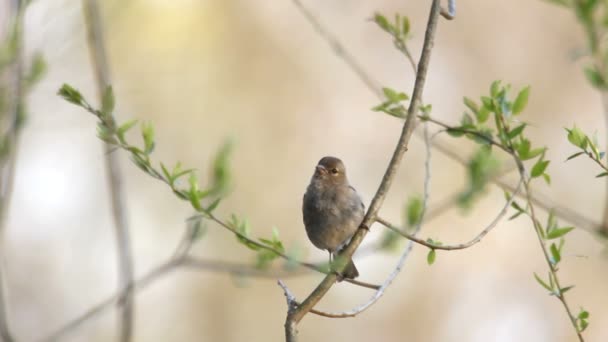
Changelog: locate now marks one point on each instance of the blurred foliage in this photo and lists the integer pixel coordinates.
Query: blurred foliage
(203, 200)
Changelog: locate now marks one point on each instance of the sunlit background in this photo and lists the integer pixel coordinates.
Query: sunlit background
(256, 72)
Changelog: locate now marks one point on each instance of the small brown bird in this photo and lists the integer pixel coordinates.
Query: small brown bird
(332, 210)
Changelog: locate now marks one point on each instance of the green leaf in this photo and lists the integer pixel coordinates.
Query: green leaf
(405, 30)
(471, 105)
(107, 101)
(430, 258)
(383, 22)
(70, 94)
(547, 178)
(414, 210)
(37, 70)
(583, 314)
(147, 132)
(120, 132)
(221, 175)
(516, 131)
(389, 240)
(558, 232)
(603, 174)
(575, 155)
(521, 100)
(555, 254)
(566, 289)
(495, 88)
(483, 114)
(166, 173)
(394, 96)
(577, 137)
(542, 283)
(454, 132)
(466, 121)
(211, 207)
(539, 168)
(487, 103)
(595, 78)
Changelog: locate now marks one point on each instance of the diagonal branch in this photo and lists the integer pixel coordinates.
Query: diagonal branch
(99, 60)
(408, 128)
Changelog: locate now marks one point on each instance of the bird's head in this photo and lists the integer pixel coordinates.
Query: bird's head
(330, 170)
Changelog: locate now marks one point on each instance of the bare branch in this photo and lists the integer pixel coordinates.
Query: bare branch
(450, 13)
(107, 304)
(99, 59)
(339, 50)
(468, 244)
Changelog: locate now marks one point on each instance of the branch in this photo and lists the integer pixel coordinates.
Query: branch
(552, 268)
(450, 13)
(311, 266)
(468, 244)
(179, 258)
(296, 316)
(339, 50)
(99, 60)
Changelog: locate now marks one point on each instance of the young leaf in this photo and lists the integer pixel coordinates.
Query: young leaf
(414, 210)
(495, 88)
(147, 132)
(558, 232)
(166, 173)
(120, 132)
(521, 100)
(555, 254)
(383, 22)
(107, 101)
(430, 258)
(595, 78)
(539, 168)
(70, 94)
(542, 283)
(575, 155)
(471, 105)
(516, 131)
(577, 137)
(405, 29)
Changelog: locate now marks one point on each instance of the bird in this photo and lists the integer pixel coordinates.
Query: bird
(332, 210)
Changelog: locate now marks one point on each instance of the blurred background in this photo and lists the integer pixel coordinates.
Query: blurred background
(203, 71)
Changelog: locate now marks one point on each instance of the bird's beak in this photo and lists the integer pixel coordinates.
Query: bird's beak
(321, 169)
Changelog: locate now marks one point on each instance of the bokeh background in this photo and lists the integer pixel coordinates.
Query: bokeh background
(203, 71)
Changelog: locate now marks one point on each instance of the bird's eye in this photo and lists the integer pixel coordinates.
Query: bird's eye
(334, 171)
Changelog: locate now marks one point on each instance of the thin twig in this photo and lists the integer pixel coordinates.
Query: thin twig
(296, 316)
(450, 13)
(552, 268)
(287, 257)
(99, 58)
(107, 304)
(468, 244)
(342, 52)
(339, 50)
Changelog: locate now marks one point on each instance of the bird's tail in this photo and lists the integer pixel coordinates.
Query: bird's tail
(350, 270)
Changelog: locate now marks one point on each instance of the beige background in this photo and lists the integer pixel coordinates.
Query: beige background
(204, 71)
